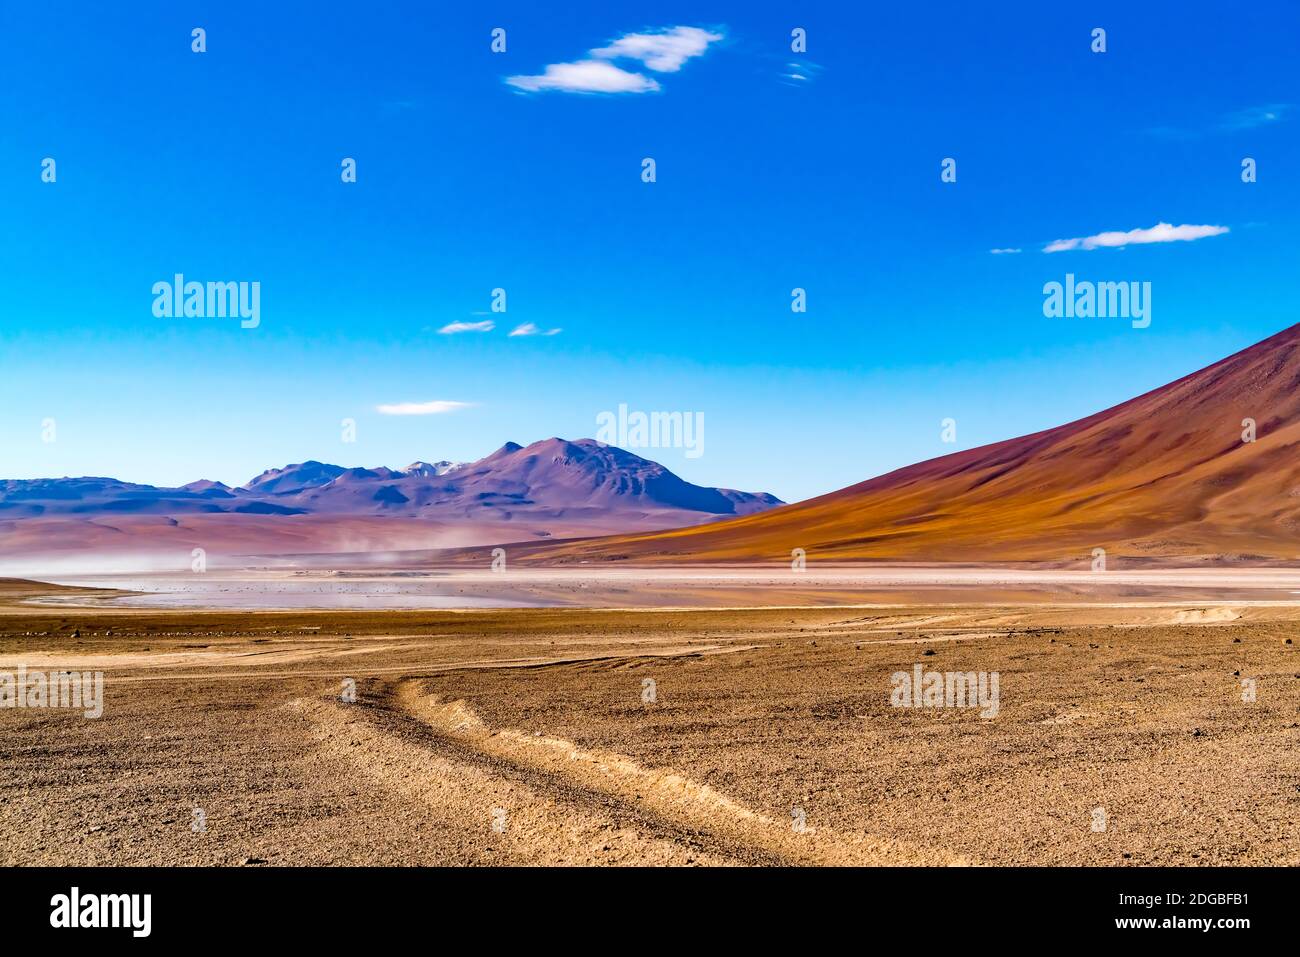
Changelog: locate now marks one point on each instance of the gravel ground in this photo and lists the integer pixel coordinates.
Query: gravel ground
(572, 736)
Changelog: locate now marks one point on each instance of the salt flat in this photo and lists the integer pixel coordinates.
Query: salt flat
(605, 586)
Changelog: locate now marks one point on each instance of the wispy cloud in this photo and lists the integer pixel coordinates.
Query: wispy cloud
(1159, 233)
(1248, 119)
(531, 329)
(585, 76)
(401, 106)
(662, 51)
(436, 407)
(452, 328)
(1255, 116)
(1005, 251)
(800, 73)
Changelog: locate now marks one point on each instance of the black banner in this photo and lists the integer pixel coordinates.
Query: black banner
(345, 906)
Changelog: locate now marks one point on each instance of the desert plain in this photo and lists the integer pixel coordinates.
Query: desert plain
(700, 717)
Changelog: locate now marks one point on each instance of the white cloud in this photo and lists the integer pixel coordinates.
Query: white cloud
(451, 328)
(1255, 116)
(531, 329)
(1159, 233)
(1247, 119)
(585, 76)
(436, 407)
(802, 72)
(1004, 252)
(663, 51)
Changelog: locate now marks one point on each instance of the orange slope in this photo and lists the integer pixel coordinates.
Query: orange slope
(1165, 474)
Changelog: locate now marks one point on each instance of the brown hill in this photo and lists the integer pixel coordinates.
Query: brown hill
(1165, 474)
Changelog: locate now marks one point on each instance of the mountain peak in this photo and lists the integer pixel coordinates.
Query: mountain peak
(420, 469)
(295, 477)
(204, 485)
(510, 448)
(554, 487)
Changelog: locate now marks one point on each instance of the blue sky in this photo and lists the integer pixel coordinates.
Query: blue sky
(672, 295)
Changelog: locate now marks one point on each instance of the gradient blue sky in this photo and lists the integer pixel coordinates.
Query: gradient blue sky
(671, 296)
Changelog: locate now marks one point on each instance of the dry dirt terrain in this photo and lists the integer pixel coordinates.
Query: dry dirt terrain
(525, 736)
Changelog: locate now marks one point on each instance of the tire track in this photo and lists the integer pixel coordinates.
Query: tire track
(501, 812)
(661, 804)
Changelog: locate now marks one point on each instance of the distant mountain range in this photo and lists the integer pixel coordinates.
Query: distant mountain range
(1206, 467)
(552, 487)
